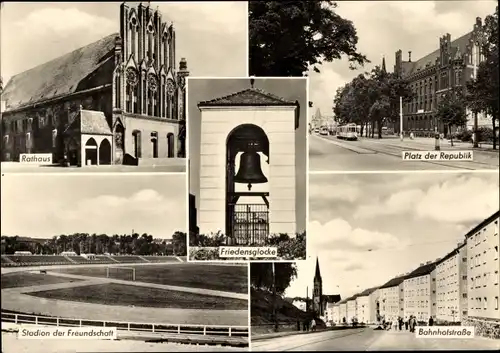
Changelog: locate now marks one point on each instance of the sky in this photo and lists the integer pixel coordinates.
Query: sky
(41, 206)
(369, 228)
(212, 36)
(199, 90)
(383, 27)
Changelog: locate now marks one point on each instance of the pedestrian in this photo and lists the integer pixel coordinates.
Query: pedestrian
(431, 321)
(313, 325)
(406, 323)
(400, 324)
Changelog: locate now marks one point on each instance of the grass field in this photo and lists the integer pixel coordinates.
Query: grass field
(215, 277)
(27, 279)
(120, 294)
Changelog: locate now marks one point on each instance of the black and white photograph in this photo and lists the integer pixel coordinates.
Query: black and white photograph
(247, 167)
(387, 254)
(394, 85)
(102, 252)
(100, 86)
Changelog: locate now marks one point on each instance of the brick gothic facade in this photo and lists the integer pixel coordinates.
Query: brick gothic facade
(118, 100)
(448, 67)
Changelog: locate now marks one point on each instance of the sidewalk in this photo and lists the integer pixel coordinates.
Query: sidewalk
(265, 336)
(423, 142)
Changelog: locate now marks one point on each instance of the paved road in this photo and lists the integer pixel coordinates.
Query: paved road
(367, 339)
(327, 153)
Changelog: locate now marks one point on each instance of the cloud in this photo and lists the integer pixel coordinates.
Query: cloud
(458, 200)
(338, 234)
(340, 191)
(64, 23)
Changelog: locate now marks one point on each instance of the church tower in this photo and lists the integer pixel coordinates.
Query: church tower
(318, 291)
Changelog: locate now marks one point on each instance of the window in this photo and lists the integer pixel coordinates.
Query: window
(54, 138)
(495, 255)
(496, 303)
(485, 303)
(464, 295)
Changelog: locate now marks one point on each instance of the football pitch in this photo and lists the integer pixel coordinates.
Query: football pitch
(203, 276)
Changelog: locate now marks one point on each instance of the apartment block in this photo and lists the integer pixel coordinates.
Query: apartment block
(451, 285)
(482, 244)
(420, 292)
(391, 299)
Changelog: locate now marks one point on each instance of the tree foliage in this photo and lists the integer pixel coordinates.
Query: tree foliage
(451, 110)
(482, 92)
(287, 38)
(84, 243)
(371, 98)
(261, 275)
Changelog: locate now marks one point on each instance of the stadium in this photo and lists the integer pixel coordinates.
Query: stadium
(154, 298)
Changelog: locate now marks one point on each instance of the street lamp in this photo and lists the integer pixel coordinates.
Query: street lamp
(401, 117)
(275, 319)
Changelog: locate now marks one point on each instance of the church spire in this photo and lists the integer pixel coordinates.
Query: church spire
(383, 65)
(318, 273)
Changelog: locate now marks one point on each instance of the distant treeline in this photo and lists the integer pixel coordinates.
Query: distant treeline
(83, 243)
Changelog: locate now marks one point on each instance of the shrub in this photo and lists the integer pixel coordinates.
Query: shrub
(484, 134)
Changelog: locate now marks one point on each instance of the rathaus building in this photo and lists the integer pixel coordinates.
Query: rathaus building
(119, 100)
(449, 67)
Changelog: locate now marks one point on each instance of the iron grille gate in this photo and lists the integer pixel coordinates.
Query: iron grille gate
(250, 224)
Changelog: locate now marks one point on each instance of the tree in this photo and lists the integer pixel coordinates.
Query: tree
(482, 92)
(261, 275)
(451, 110)
(179, 243)
(287, 38)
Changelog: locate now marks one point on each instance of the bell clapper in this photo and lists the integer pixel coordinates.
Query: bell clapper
(249, 186)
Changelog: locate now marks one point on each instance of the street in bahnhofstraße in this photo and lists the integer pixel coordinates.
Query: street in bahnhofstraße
(368, 339)
(328, 153)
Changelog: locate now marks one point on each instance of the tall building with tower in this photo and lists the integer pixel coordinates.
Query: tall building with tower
(119, 100)
(447, 68)
(317, 292)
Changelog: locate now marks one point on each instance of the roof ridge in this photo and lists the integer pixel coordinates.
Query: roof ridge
(248, 96)
(60, 56)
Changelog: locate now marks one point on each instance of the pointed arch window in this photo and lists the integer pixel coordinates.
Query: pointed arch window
(170, 98)
(152, 92)
(131, 98)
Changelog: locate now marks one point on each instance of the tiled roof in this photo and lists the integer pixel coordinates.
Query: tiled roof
(431, 58)
(58, 77)
(94, 122)
(394, 282)
(422, 270)
(248, 97)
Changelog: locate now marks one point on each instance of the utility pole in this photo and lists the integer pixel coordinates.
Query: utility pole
(401, 117)
(275, 319)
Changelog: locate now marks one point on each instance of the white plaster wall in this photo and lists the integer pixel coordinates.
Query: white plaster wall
(98, 139)
(363, 309)
(279, 125)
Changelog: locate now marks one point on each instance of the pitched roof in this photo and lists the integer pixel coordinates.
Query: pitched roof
(248, 97)
(422, 270)
(394, 282)
(317, 273)
(431, 58)
(334, 298)
(368, 291)
(452, 253)
(94, 122)
(482, 224)
(58, 77)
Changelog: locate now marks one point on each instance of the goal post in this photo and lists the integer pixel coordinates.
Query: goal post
(115, 269)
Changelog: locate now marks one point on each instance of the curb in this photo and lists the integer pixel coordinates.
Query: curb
(296, 333)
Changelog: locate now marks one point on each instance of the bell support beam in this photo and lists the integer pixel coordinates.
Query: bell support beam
(234, 196)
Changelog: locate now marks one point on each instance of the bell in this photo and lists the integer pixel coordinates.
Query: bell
(250, 171)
